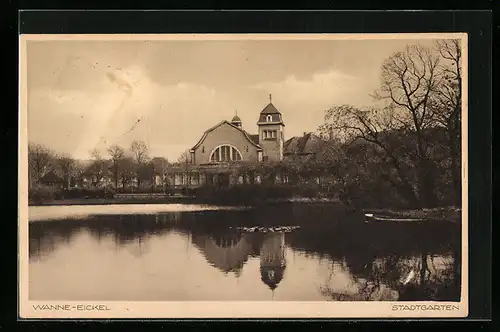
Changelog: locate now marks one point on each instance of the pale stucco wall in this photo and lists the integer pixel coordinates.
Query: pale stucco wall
(273, 148)
(225, 134)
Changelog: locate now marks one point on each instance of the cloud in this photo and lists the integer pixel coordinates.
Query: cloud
(118, 105)
(315, 95)
(129, 105)
(323, 87)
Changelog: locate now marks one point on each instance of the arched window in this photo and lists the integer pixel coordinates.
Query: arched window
(225, 153)
(269, 118)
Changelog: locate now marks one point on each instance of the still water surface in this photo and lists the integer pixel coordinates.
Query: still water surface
(189, 252)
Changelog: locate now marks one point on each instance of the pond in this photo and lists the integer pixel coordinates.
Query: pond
(197, 253)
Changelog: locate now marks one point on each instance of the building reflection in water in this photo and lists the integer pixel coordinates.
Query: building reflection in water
(227, 252)
(272, 259)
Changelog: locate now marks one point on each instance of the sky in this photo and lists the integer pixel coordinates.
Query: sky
(93, 94)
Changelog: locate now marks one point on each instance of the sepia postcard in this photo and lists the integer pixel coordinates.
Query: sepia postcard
(243, 176)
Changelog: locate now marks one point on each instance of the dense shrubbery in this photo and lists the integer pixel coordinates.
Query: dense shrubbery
(256, 193)
(145, 190)
(49, 194)
(44, 194)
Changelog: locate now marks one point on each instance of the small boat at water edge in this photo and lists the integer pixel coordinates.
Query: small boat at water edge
(371, 218)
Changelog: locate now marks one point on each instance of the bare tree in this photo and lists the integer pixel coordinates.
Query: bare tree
(409, 80)
(127, 170)
(139, 150)
(184, 161)
(78, 173)
(369, 125)
(97, 168)
(447, 104)
(184, 158)
(117, 154)
(39, 161)
(65, 165)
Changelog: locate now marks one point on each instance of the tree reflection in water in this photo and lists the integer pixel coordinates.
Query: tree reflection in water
(391, 278)
(46, 236)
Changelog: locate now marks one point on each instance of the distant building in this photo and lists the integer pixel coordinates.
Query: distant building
(51, 179)
(303, 148)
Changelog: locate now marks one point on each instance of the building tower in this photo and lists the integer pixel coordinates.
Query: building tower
(236, 120)
(271, 132)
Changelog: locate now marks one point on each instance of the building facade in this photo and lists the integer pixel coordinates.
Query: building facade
(228, 142)
(228, 145)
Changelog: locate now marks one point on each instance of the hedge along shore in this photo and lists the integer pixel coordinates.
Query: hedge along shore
(166, 200)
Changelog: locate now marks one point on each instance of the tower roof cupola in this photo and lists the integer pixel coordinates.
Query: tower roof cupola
(270, 114)
(236, 120)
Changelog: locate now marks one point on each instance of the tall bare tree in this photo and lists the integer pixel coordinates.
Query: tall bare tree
(117, 154)
(447, 104)
(139, 150)
(39, 161)
(409, 80)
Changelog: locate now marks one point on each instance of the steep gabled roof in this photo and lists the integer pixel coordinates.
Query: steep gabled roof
(306, 144)
(254, 138)
(270, 109)
(248, 136)
(51, 177)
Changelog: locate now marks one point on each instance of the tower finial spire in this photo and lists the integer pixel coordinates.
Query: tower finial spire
(236, 112)
(270, 98)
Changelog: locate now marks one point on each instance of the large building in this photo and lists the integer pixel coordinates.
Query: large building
(228, 144)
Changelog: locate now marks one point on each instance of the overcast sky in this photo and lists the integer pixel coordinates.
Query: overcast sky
(91, 94)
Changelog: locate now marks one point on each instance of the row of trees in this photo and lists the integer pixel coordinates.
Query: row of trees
(408, 143)
(117, 163)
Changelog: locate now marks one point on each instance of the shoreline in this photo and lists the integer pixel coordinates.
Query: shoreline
(442, 213)
(176, 200)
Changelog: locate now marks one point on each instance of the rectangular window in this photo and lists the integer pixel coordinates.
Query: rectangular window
(273, 134)
(226, 153)
(236, 155)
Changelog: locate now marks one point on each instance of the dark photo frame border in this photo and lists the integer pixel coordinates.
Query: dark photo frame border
(477, 24)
